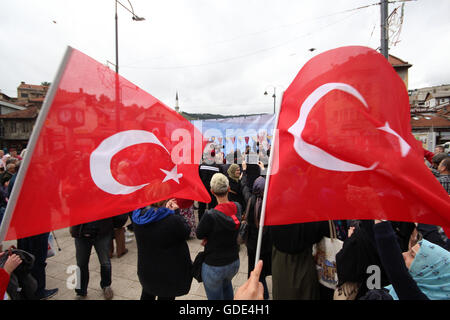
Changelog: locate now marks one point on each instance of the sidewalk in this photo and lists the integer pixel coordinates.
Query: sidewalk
(125, 283)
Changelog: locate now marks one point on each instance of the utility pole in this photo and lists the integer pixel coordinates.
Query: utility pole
(384, 28)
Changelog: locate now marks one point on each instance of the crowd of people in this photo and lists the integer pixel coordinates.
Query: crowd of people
(413, 258)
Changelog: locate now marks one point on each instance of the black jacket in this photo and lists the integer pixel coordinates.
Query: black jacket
(295, 238)
(93, 229)
(206, 171)
(432, 234)
(357, 254)
(164, 264)
(236, 192)
(221, 232)
(394, 264)
(253, 172)
(266, 244)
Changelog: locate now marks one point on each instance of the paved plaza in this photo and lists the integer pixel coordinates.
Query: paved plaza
(125, 282)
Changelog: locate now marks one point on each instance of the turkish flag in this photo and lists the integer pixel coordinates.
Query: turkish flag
(102, 147)
(345, 147)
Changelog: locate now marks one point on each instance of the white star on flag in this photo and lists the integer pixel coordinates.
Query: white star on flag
(172, 175)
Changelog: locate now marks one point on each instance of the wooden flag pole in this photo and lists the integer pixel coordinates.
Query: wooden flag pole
(266, 187)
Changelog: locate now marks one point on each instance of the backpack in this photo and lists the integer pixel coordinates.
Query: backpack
(22, 285)
(88, 230)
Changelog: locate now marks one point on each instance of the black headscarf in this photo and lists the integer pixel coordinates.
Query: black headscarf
(357, 253)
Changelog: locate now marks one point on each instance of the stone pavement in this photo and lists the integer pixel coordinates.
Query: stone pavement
(125, 282)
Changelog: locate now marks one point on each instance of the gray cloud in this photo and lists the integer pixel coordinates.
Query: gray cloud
(219, 55)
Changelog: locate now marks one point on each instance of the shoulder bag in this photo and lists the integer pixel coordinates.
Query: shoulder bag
(324, 253)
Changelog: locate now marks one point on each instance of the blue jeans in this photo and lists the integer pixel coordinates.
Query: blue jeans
(83, 248)
(217, 280)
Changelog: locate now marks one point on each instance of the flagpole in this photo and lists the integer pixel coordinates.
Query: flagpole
(266, 188)
(31, 146)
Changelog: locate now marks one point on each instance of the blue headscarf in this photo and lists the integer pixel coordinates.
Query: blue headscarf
(431, 271)
(143, 216)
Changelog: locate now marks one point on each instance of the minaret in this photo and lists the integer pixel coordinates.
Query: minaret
(177, 107)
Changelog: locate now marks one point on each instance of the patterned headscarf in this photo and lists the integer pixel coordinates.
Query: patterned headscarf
(431, 271)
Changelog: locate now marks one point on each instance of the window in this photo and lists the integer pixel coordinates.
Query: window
(27, 126)
(24, 95)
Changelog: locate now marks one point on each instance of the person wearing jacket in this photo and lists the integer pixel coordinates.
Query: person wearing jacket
(357, 254)
(206, 170)
(219, 229)
(254, 201)
(421, 273)
(444, 174)
(234, 176)
(97, 234)
(10, 265)
(294, 274)
(164, 265)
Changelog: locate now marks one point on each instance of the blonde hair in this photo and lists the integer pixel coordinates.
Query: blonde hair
(219, 184)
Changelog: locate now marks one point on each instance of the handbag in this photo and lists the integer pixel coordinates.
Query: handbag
(22, 285)
(242, 236)
(26, 257)
(120, 220)
(324, 253)
(197, 266)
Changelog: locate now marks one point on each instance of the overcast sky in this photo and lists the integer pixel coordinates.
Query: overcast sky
(220, 55)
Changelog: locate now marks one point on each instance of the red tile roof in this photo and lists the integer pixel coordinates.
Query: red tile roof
(435, 121)
(33, 87)
(30, 113)
(397, 62)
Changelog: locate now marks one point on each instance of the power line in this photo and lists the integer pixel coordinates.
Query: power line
(265, 31)
(239, 56)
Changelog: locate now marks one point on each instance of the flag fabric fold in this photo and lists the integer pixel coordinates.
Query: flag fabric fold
(345, 147)
(106, 147)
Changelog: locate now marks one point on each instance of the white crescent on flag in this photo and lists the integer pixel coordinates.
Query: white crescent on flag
(313, 154)
(100, 160)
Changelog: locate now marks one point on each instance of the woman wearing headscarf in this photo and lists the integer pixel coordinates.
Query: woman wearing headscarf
(164, 264)
(234, 176)
(421, 273)
(357, 254)
(254, 201)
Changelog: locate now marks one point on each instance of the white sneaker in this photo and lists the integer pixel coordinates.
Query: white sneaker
(129, 234)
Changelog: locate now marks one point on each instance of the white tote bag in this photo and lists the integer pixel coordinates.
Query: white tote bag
(324, 253)
(51, 246)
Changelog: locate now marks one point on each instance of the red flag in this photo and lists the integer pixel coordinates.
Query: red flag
(345, 147)
(97, 156)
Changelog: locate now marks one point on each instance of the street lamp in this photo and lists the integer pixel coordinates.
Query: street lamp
(135, 18)
(274, 96)
(117, 94)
